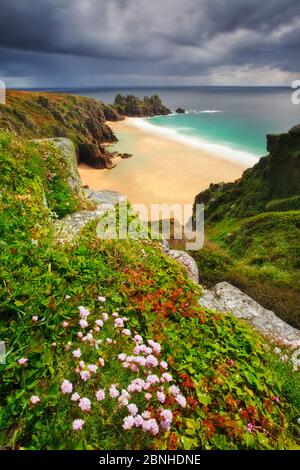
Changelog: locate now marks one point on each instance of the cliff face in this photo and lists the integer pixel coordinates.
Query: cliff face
(272, 184)
(135, 107)
(81, 119)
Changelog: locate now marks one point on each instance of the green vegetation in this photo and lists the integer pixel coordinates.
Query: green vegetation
(253, 230)
(239, 395)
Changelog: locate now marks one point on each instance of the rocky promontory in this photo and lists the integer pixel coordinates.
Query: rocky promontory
(80, 119)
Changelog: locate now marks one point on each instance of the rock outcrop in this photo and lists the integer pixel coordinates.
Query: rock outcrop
(180, 111)
(224, 297)
(135, 107)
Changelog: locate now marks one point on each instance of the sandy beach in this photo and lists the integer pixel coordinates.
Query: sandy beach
(161, 170)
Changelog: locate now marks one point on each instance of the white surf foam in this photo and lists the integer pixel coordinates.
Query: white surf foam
(204, 111)
(220, 150)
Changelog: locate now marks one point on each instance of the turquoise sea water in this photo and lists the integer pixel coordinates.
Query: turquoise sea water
(245, 114)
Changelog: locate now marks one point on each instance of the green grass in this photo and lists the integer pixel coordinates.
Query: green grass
(228, 374)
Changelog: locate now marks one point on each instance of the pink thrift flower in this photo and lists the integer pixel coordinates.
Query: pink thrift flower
(76, 353)
(78, 424)
(67, 297)
(137, 339)
(85, 404)
(128, 423)
(97, 329)
(105, 316)
(126, 332)
(66, 387)
(163, 365)
(133, 409)
(161, 397)
(122, 357)
(166, 377)
(101, 299)
(155, 346)
(148, 396)
(75, 397)
(92, 368)
(34, 318)
(109, 340)
(84, 312)
(82, 364)
(22, 361)
(123, 400)
(134, 368)
(101, 362)
(113, 392)
(85, 375)
(174, 390)
(79, 334)
(118, 323)
(34, 399)
(115, 314)
(250, 427)
(151, 361)
(181, 400)
(140, 360)
(146, 415)
(152, 379)
(100, 395)
(138, 421)
(99, 323)
(53, 345)
(65, 324)
(151, 426)
(83, 323)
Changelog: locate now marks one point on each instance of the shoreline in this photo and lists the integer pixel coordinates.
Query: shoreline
(161, 171)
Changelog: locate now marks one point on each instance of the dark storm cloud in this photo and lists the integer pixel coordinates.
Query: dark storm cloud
(142, 38)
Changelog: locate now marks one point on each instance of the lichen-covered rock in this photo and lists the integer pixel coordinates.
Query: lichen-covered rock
(133, 106)
(224, 297)
(67, 153)
(187, 261)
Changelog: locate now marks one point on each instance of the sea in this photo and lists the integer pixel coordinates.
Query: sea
(230, 120)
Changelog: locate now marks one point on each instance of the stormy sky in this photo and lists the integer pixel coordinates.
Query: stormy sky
(65, 43)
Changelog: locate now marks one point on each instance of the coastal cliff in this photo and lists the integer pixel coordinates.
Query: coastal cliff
(253, 229)
(78, 118)
(69, 299)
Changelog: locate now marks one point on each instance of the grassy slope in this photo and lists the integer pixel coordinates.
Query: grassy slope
(228, 374)
(253, 228)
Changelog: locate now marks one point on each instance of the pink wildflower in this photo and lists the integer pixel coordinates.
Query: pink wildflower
(83, 323)
(92, 367)
(119, 323)
(166, 377)
(105, 316)
(163, 365)
(146, 415)
(97, 329)
(138, 421)
(151, 426)
(101, 299)
(79, 334)
(148, 396)
(113, 392)
(34, 399)
(109, 340)
(133, 409)
(161, 397)
(100, 395)
(75, 397)
(85, 375)
(122, 357)
(250, 427)
(22, 361)
(77, 353)
(134, 368)
(137, 339)
(66, 387)
(34, 318)
(155, 346)
(126, 332)
(101, 362)
(152, 379)
(67, 297)
(151, 361)
(115, 314)
(84, 312)
(123, 400)
(78, 424)
(174, 390)
(85, 404)
(128, 422)
(181, 400)
(65, 324)
(99, 323)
